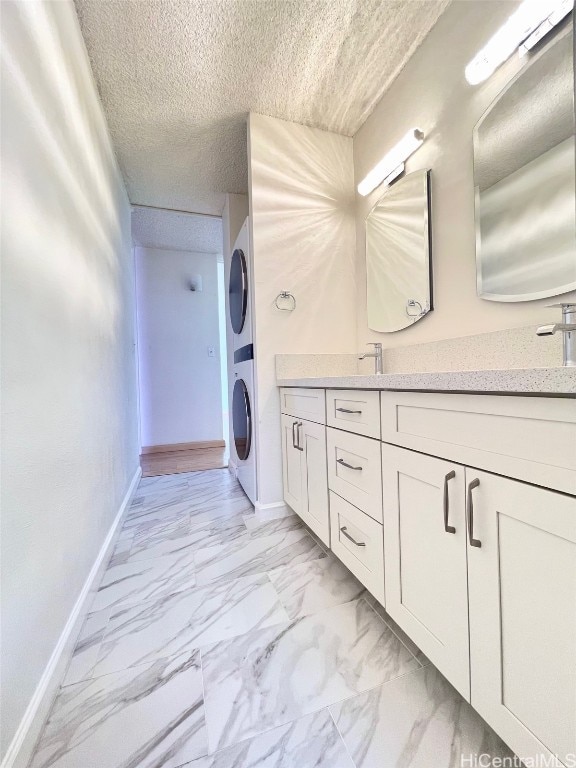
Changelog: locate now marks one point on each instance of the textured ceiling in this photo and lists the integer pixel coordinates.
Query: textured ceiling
(178, 78)
(176, 231)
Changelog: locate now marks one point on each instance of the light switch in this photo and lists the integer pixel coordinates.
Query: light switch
(211, 352)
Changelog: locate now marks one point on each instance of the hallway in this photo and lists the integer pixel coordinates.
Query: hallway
(218, 640)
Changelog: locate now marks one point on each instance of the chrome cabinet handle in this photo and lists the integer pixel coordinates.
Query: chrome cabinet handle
(446, 501)
(358, 543)
(470, 510)
(344, 464)
(294, 423)
(298, 445)
(347, 410)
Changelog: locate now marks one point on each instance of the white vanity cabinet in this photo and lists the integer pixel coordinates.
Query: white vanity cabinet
(481, 569)
(461, 520)
(304, 468)
(522, 598)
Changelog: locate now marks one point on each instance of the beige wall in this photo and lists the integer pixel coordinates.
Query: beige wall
(303, 239)
(69, 414)
(431, 93)
(180, 387)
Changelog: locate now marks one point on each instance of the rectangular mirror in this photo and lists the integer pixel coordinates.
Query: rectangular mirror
(525, 181)
(398, 260)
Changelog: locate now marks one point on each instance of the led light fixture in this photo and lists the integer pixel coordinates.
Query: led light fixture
(392, 164)
(528, 24)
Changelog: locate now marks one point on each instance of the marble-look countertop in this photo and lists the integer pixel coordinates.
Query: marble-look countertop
(530, 381)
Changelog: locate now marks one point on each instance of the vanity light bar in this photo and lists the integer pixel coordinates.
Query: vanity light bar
(560, 12)
(394, 175)
(520, 28)
(392, 164)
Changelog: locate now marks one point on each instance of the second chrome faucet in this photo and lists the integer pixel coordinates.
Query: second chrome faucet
(377, 355)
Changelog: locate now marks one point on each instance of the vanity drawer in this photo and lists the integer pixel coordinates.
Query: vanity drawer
(528, 438)
(309, 404)
(355, 470)
(358, 541)
(354, 410)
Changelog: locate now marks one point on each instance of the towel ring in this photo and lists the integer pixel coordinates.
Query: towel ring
(283, 295)
(420, 310)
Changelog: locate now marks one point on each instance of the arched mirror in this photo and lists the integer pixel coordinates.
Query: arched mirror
(525, 184)
(398, 255)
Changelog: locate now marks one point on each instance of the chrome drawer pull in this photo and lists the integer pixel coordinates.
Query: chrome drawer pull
(448, 528)
(341, 461)
(347, 410)
(358, 543)
(470, 504)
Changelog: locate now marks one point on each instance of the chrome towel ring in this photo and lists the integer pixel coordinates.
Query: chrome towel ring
(285, 296)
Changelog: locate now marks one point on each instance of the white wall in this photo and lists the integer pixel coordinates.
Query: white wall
(431, 93)
(69, 417)
(303, 240)
(180, 386)
(233, 216)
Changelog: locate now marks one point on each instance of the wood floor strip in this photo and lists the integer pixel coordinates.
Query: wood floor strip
(171, 447)
(192, 460)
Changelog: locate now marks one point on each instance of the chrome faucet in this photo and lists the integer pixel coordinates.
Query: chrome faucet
(377, 355)
(568, 330)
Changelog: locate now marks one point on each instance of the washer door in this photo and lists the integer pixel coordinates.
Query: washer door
(241, 420)
(238, 290)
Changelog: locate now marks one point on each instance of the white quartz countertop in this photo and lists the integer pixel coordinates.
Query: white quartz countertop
(532, 381)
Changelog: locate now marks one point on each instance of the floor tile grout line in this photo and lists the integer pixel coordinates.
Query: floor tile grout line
(326, 707)
(407, 673)
(134, 604)
(345, 745)
(204, 700)
(396, 635)
(364, 692)
(199, 647)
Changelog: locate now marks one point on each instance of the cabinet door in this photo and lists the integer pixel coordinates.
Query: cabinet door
(522, 582)
(314, 510)
(292, 465)
(425, 557)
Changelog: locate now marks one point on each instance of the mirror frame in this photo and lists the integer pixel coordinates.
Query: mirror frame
(428, 246)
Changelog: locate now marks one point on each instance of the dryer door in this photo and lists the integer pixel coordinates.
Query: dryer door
(238, 290)
(241, 420)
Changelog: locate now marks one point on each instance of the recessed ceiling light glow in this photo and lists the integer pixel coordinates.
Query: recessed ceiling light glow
(530, 15)
(386, 169)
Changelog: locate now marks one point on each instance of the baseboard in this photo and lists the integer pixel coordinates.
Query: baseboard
(171, 447)
(20, 751)
(273, 511)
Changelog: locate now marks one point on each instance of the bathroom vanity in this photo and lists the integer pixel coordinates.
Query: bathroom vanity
(452, 495)
(457, 511)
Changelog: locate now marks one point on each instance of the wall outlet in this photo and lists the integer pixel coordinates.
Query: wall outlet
(211, 352)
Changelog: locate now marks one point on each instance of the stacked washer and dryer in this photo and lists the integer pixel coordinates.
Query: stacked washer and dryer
(240, 302)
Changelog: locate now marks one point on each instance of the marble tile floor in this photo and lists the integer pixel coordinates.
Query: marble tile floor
(218, 639)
